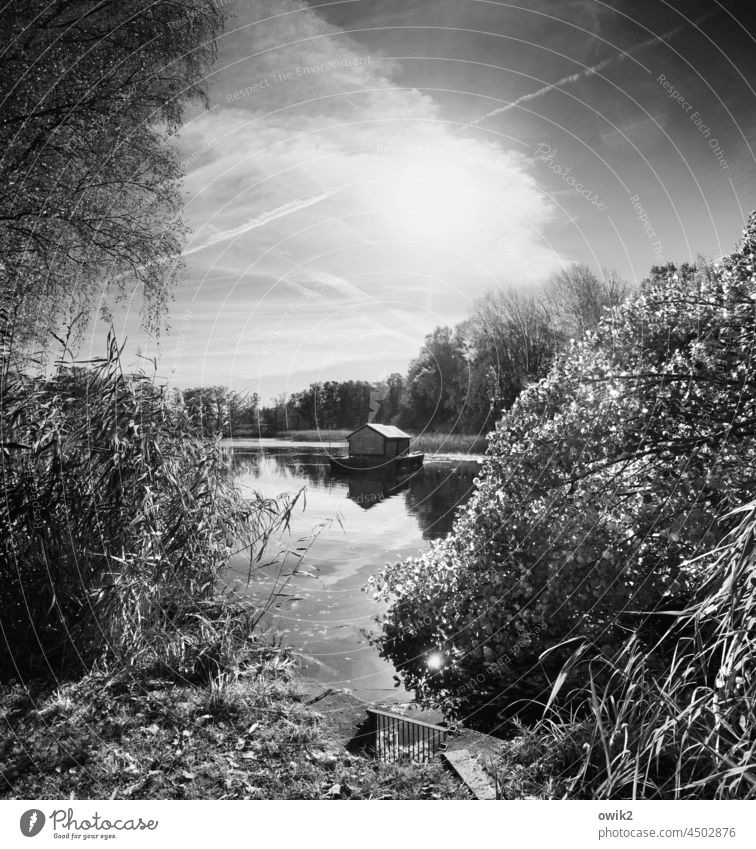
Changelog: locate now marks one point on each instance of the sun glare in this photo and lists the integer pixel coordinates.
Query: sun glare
(435, 660)
(435, 200)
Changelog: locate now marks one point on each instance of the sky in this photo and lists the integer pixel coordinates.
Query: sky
(367, 169)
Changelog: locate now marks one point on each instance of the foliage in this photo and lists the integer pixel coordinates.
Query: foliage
(600, 483)
(509, 342)
(92, 91)
(660, 724)
(116, 523)
(432, 382)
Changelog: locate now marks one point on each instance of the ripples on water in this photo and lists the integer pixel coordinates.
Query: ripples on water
(366, 521)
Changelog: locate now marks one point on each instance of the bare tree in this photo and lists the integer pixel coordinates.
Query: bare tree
(577, 297)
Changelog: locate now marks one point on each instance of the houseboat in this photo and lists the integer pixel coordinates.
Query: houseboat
(378, 447)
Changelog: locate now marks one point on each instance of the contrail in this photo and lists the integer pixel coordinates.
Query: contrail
(589, 72)
(354, 293)
(261, 220)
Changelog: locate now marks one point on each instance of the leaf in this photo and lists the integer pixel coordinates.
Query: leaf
(565, 670)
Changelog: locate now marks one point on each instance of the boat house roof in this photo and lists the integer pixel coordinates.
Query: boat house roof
(387, 431)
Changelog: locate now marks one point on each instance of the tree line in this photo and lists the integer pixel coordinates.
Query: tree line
(465, 376)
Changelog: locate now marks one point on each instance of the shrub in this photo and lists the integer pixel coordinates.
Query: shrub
(599, 484)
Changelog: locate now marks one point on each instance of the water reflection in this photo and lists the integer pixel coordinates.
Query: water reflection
(369, 490)
(432, 494)
(365, 520)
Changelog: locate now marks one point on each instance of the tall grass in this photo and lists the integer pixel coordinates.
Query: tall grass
(667, 723)
(316, 435)
(449, 443)
(116, 524)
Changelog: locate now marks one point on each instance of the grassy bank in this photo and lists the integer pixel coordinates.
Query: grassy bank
(314, 435)
(248, 734)
(429, 443)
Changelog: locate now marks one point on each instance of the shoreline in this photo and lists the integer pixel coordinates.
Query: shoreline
(274, 441)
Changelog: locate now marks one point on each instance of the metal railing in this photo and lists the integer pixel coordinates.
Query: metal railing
(396, 737)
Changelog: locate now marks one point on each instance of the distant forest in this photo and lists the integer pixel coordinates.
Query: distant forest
(462, 379)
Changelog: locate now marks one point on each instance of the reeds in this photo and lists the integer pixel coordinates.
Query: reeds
(117, 523)
(315, 435)
(449, 443)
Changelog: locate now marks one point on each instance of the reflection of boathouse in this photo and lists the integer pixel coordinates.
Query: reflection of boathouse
(367, 490)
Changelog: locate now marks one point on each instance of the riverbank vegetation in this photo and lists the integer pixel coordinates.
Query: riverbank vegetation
(591, 578)
(449, 443)
(126, 669)
(338, 435)
(117, 522)
(658, 721)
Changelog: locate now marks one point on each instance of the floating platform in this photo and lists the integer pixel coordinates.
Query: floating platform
(377, 463)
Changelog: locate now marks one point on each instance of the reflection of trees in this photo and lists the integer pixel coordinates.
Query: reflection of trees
(432, 494)
(436, 492)
(243, 463)
(311, 464)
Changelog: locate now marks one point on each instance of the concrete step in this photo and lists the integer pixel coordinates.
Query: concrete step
(469, 753)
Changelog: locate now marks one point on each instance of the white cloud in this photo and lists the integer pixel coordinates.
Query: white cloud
(315, 162)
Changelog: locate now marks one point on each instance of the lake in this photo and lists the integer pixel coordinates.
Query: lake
(361, 523)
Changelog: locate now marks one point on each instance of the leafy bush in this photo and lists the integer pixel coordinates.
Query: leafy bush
(601, 482)
(116, 523)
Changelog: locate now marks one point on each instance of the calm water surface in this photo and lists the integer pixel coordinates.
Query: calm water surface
(362, 523)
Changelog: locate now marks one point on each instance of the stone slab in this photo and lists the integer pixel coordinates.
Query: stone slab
(467, 766)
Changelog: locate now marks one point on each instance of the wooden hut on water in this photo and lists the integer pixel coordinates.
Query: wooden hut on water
(374, 446)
